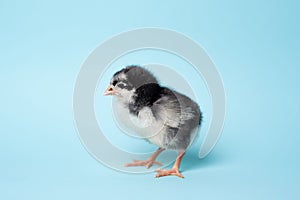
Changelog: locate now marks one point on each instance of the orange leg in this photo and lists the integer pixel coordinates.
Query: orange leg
(175, 169)
(149, 162)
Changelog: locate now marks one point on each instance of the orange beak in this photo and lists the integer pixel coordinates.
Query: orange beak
(109, 91)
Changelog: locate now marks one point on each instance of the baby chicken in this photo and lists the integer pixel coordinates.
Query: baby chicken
(145, 100)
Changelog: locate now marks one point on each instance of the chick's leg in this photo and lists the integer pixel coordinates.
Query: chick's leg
(149, 162)
(175, 169)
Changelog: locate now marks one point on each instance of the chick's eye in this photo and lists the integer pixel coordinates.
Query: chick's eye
(121, 85)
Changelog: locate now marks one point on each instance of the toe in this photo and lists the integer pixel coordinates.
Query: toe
(158, 163)
(172, 172)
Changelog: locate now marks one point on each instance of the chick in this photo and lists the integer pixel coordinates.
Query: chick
(172, 117)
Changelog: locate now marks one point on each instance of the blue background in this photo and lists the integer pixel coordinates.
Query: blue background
(255, 46)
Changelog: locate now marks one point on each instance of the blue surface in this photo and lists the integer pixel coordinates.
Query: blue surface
(255, 46)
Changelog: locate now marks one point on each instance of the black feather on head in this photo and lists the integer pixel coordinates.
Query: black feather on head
(137, 76)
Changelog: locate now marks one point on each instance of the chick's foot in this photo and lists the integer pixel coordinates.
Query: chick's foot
(148, 163)
(168, 172)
